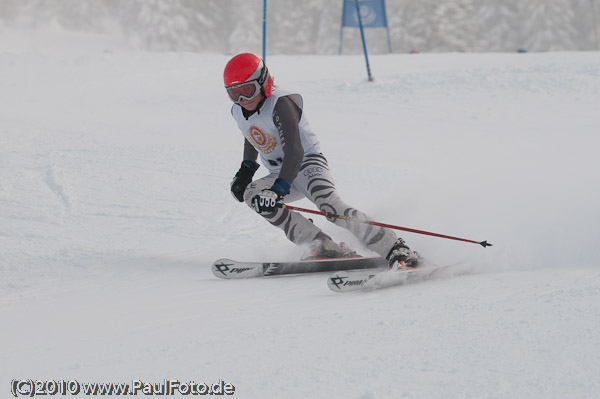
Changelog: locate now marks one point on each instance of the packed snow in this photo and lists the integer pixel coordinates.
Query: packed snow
(114, 202)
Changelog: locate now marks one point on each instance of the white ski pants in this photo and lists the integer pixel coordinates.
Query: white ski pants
(314, 181)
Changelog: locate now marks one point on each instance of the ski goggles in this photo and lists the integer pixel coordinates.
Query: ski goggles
(246, 91)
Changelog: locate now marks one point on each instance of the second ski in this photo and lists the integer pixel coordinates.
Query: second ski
(344, 281)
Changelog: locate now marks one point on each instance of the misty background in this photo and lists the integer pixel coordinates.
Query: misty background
(313, 26)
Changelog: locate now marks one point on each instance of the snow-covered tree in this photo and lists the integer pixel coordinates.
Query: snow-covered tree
(327, 27)
(550, 25)
(245, 26)
(437, 25)
(499, 25)
(313, 26)
(8, 10)
(86, 16)
(455, 26)
(157, 24)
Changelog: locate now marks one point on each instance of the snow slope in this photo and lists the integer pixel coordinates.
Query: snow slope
(114, 201)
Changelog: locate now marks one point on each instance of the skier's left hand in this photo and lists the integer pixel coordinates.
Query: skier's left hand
(266, 201)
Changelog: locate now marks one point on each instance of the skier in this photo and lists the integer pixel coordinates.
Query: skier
(274, 125)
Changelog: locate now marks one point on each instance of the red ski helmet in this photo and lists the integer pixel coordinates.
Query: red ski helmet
(245, 76)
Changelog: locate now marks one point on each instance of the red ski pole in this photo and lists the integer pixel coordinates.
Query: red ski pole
(389, 226)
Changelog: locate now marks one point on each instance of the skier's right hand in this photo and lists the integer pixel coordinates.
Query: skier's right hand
(242, 178)
(266, 201)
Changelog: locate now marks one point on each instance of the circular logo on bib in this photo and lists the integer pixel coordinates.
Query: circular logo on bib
(262, 141)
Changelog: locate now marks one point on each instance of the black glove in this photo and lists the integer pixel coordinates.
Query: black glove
(268, 200)
(242, 178)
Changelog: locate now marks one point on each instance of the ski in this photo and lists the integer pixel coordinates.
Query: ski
(345, 281)
(229, 269)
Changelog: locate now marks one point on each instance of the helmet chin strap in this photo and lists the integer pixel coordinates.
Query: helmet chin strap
(248, 113)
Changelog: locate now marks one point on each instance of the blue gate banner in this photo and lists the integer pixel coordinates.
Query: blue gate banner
(372, 14)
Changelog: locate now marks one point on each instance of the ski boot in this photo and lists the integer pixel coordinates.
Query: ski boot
(401, 257)
(323, 247)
